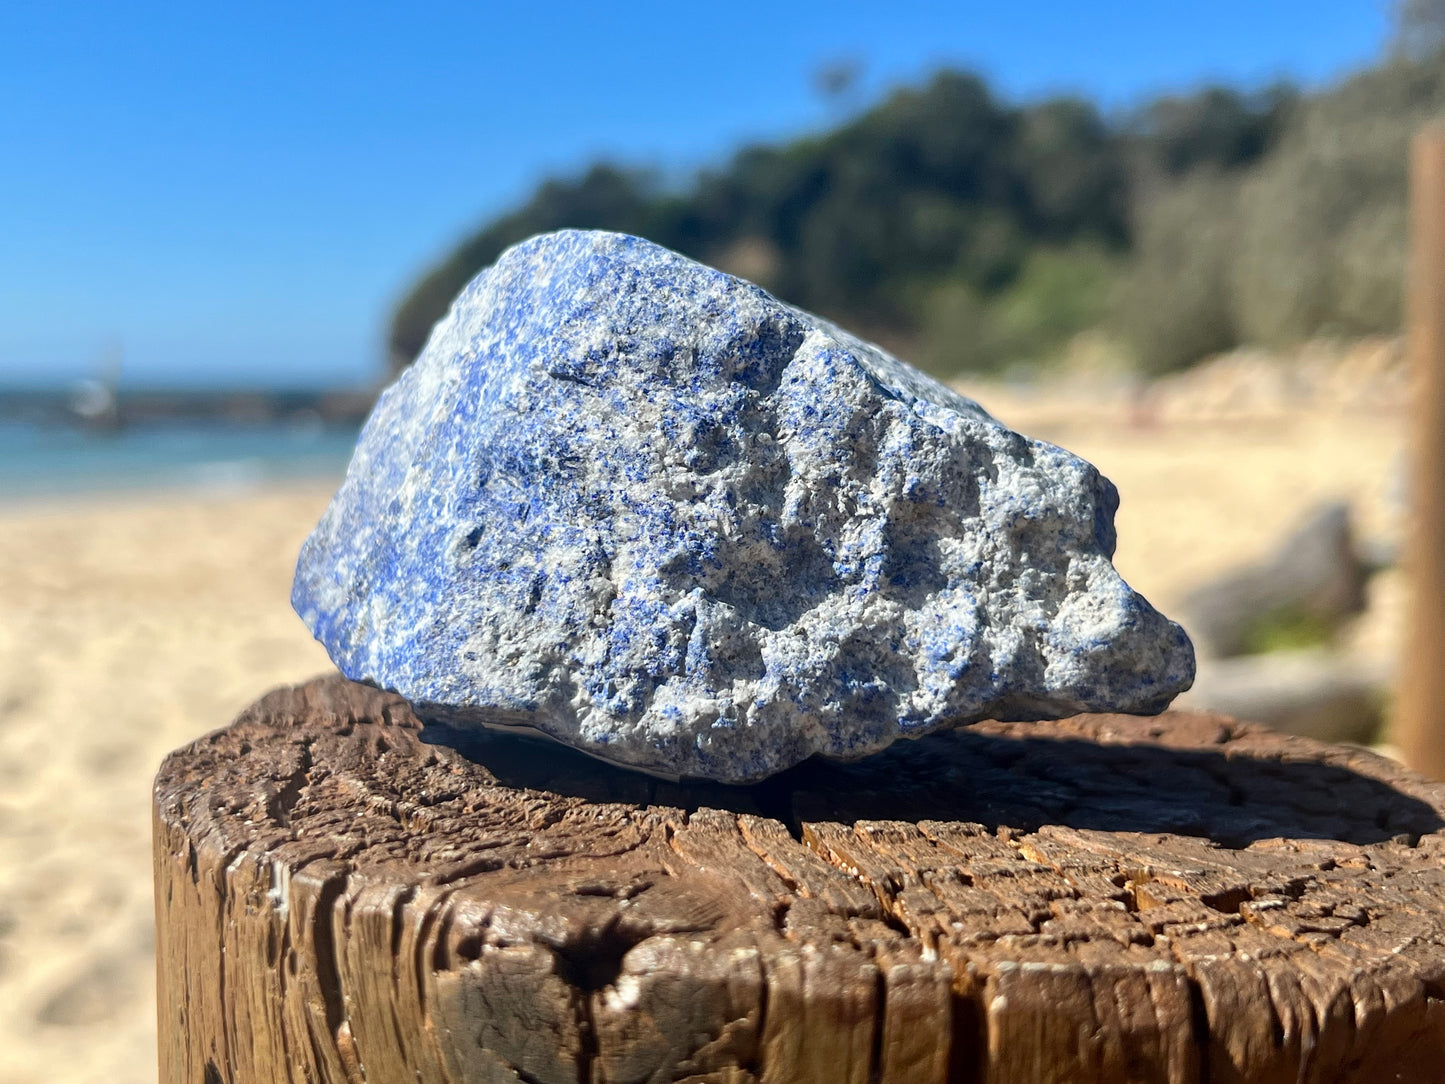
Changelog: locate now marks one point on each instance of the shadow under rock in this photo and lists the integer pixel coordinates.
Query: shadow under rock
(1002, 779)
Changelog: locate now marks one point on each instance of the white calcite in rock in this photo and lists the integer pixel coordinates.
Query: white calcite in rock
(649, 510)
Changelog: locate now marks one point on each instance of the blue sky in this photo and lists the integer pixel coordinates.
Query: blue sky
(239, 193)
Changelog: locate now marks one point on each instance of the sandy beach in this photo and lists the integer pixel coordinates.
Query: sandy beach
(127, 629)
(130, 625)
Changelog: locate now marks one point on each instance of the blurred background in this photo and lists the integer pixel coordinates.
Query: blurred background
(1173, 241)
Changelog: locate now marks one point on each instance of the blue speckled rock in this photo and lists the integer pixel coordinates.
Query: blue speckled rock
(646, 508)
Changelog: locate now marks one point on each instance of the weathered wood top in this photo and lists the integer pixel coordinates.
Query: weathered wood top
(344, 895)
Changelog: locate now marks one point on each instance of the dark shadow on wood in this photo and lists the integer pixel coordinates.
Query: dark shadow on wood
(1008, 779)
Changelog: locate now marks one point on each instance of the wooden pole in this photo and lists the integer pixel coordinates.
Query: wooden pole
(1175, 900)
(1419, 724)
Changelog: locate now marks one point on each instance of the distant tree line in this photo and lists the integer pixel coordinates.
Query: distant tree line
(970, 233)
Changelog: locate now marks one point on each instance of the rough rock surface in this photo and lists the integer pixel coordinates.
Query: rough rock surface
(646, 508)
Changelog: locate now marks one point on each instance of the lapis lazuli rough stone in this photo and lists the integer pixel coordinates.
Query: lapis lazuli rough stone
(647, 509)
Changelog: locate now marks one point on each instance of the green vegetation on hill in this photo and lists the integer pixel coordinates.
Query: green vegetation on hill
(1309, 239)
(969, 233)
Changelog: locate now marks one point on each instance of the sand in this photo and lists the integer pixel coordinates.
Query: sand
(126, 629)
(132, 625)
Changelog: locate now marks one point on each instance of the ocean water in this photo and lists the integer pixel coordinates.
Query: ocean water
(45, 460)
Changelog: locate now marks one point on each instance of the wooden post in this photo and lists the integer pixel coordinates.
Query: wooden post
(340, 898)
(1419, 724)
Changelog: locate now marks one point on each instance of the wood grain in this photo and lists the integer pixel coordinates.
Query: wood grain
(344, 894)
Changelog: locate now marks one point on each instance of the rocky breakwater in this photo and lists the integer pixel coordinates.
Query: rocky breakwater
(647, 509)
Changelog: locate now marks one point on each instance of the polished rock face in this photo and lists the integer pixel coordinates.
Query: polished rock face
(649, 510)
